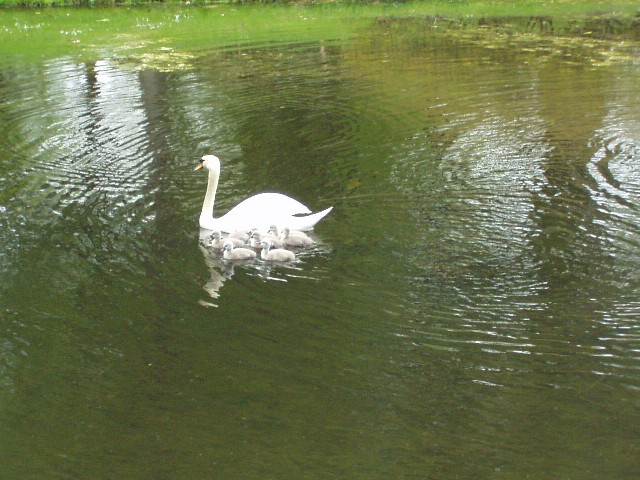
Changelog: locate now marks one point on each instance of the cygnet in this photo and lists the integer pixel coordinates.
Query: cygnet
(229, 252)
(241, 234)
(295, 239)
(218, 242)
(274, 230)
(275, 254)
(257, 238)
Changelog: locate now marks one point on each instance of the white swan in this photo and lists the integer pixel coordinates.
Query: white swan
(231, 253)
(259, 211)
(275, 254)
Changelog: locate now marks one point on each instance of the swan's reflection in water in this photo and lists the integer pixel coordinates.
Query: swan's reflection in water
(221, 270)
(216, 277)
(217, 268)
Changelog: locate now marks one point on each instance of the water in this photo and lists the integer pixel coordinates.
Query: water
(470, 309)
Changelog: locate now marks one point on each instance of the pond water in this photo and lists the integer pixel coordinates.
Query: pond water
(471, 308)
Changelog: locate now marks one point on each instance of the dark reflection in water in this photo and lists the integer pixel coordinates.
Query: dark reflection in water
(470, 309)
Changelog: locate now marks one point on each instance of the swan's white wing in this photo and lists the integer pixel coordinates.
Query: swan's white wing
(305, 222)
(261, 211)
(274, 203)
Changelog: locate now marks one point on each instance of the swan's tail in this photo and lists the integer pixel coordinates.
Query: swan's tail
(306, 222)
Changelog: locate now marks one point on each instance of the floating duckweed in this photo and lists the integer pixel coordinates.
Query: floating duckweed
(163, 60)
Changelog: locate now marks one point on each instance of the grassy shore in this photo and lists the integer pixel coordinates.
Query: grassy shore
(166, 32)
(427, 7)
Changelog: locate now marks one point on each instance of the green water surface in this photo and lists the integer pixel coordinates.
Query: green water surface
(469, 310)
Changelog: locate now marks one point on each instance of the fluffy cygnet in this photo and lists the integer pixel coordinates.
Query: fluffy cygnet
(295, 239)
(218, 242)
(275, 254)
(274, 231)
(257, 238)
(240, 253)
(241, 234)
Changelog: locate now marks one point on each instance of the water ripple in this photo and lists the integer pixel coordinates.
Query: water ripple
(86, 176)
(504, 229)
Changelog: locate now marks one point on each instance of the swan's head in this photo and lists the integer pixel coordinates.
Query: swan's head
(286, 231)
(227, 245)
(210, 162)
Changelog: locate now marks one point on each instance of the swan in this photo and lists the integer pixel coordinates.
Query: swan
(276, 254)
(218, 242)
(231, 253)
(259, 211)
(291, 239)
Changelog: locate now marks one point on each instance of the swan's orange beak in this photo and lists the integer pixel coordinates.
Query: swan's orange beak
(198, 167)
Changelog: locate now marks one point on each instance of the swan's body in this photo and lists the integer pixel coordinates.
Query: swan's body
(218, 242)
(295, 239)
(231, 253)
(275, 254)
(259, 211)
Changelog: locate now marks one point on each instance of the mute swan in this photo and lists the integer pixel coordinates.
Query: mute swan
(276, 254)
(259, 211)
(218, 242)
(290, 239)
(231, 253)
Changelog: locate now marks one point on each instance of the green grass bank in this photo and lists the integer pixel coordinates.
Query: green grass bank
(154, 28)
(428, 7)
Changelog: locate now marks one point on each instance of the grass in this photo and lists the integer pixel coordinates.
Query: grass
(471, 8)
(174, 27)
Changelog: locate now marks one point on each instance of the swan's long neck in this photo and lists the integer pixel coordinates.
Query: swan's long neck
(210, 196)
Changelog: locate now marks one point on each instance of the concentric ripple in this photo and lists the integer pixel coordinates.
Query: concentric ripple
(83, 165)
